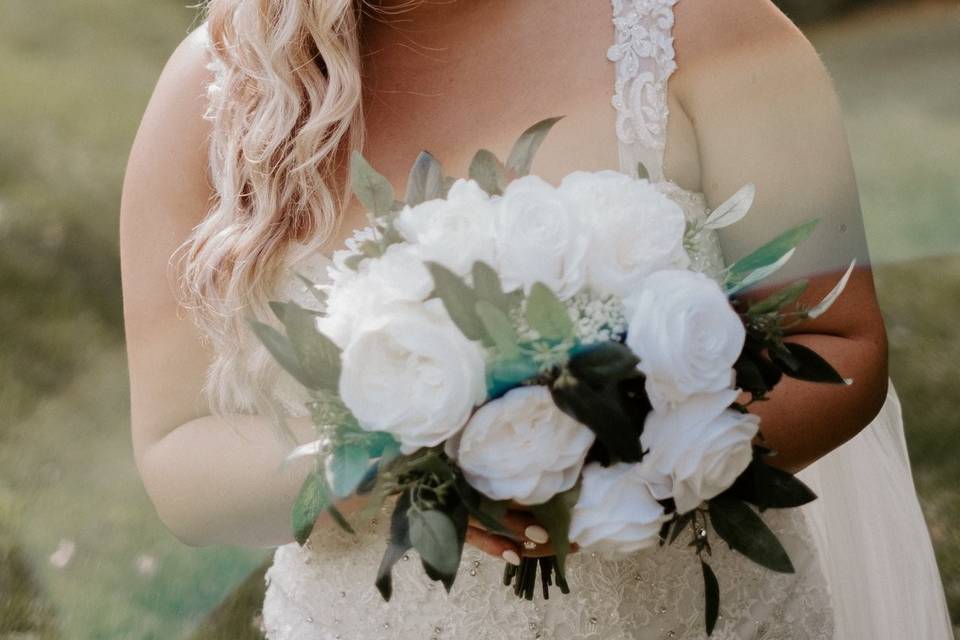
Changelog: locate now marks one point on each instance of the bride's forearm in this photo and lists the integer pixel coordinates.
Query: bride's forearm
(221, 480)
(804, 421)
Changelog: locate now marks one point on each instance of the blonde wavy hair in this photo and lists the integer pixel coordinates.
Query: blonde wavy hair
(284, 106)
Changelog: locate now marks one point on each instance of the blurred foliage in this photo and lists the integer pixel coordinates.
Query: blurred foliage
(76, 76)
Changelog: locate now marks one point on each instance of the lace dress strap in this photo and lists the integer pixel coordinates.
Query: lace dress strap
(643, 55)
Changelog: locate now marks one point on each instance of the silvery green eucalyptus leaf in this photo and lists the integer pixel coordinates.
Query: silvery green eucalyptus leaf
(733, 210)
(521, 155)
(282, 351)
(547, 315)
(318, 294)
(488, 172)
(425, 181)
(499, 329)
(314, 498)
(346, 468)
(319, 357)
(434, 536)
(735, 286)
(459, 300)
(831, 297)
(779, 300)
(487, 285)
(770, 255)
(373, 190)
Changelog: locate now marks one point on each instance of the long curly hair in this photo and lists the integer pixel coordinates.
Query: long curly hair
(285, 108)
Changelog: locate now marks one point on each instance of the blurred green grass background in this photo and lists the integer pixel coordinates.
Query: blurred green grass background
(82, 554)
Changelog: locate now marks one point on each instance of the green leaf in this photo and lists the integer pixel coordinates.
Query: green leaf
(347, 467)
(806, 364)
(319, 295)
(487, 285)
(489, 172)
(523, 150)
(499, 329)
(282, 351)
(398, 545)
(711, 594)
(779, 300)
(555, 515)
(489, 513)
(547, 315)
(434, 536)
(313, 500)
(425, 181)
(340, 520)
(459, 300)
(603, 413)
(777, 489)
(771, 252)
(460, 517)
(680, 523)
(598, 364)
(742, 529)
(642, 172)
(373, 190)
(319, 357)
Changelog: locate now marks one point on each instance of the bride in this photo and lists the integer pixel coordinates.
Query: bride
(237, 180)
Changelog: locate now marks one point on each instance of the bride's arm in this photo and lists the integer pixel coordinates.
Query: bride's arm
(212, 480)
(764, 111)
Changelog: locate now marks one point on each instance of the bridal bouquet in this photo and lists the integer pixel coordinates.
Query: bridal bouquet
(498, 339)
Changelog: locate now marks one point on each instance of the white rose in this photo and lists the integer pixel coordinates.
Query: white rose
(686, 335)
(698, 448)
(397, 276)
(539, 239)
(455, 231)
(616, 514)
(634, 229)
(522, 447)
(412, 373)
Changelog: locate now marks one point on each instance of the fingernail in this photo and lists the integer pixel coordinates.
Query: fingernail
(511, 556)
(537, 534)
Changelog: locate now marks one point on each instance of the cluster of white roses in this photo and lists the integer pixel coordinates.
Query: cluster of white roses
(408, 370)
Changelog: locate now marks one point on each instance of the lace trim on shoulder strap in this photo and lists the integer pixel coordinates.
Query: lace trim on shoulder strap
(644, 57)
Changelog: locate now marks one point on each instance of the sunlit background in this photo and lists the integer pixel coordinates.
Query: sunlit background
(82, 554)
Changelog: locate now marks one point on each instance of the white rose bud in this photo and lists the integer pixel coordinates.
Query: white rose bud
(616, 514)
(698, 448)
(686, 335)
(634, 229)
(455, 231)
(412, 373)
(522, 447)
(539, 239)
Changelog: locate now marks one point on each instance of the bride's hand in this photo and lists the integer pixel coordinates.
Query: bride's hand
(533, 538)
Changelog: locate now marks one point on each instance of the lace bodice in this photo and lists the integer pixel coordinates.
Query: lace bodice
(325, 590)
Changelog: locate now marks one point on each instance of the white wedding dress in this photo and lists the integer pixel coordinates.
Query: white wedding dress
(864, 561)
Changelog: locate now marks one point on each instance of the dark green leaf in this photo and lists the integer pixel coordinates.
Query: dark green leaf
(398, 545)
(809, 365)
(779, 300)
(425, 181)
(340, 520)
(318, 355)
(742, 529)
(547, 315)
(680, 523)
(642, 172)
(487, 512)
(313, 499)
(603, 412)
(373, 190)
(347, 466)
(499, 329)
(521, 155)
(460, 517)
(282, 351)
(711, 594)
(489, 172)
(555, 515)
(434, 536)
(598, 363)
(459, 300)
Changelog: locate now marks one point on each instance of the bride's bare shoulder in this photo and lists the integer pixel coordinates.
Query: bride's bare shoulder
(713, 33)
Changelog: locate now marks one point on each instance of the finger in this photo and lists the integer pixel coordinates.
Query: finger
(494, 545)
